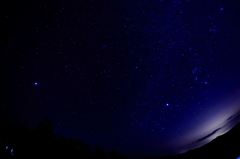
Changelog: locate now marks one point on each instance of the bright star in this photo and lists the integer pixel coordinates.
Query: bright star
(35, 83)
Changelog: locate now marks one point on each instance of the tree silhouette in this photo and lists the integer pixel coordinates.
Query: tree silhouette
(100, 153)
(45, 138)
(78, 149)
(60, 147)
(115, 155)
(45, 127)
(43, 143)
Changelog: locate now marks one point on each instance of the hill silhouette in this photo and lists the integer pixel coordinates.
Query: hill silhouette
(20, 142)
(225, 146)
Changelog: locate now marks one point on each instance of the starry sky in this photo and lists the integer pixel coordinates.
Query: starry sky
(144, 77)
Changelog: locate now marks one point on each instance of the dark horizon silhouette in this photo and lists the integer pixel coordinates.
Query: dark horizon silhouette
(146, 78)
(20, 142)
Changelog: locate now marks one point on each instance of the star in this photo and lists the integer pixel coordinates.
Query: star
(112, 83)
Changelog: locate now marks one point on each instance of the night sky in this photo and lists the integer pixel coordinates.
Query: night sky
(144, 77)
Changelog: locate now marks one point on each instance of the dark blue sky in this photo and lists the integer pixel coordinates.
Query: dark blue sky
(143, 77)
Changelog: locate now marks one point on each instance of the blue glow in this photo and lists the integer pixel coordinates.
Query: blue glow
(12, 152)
(6, 147)
(35, 83)
(238, 157)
